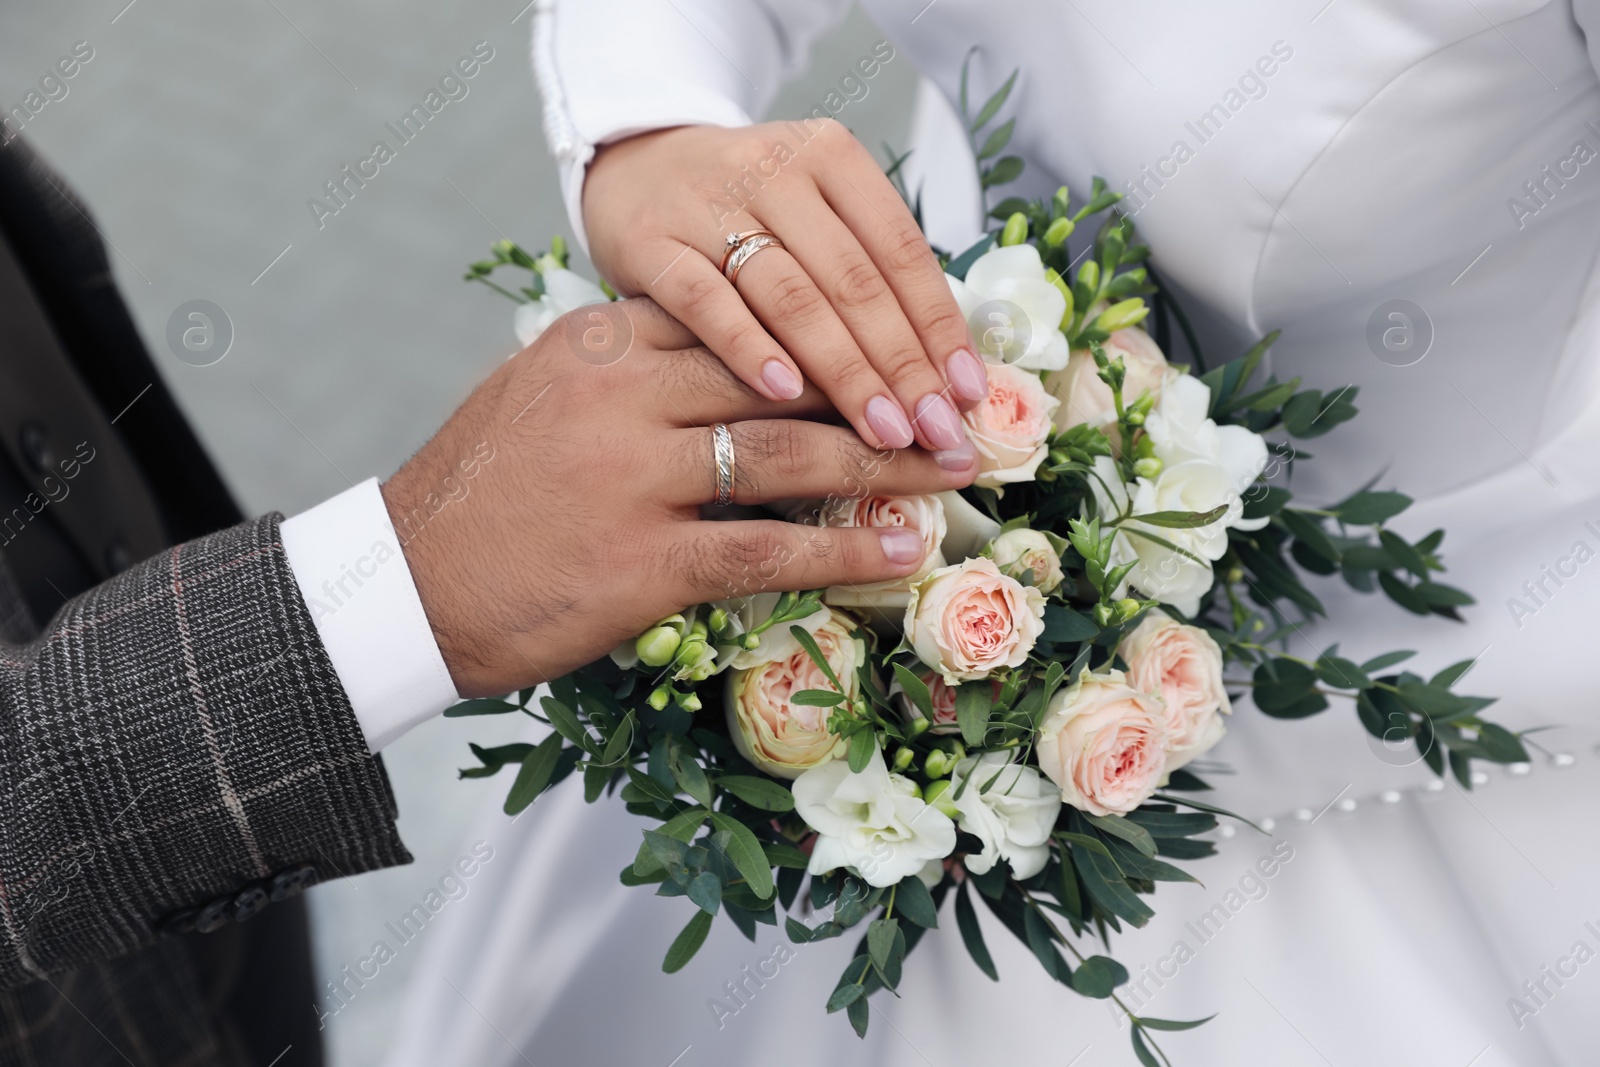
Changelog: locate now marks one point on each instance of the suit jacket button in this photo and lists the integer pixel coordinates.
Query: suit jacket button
(214, 915)
(179, 922)
(292, 881)
(249, 901)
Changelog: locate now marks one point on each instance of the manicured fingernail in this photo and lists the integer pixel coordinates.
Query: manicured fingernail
(967, 376)
(901, 545)
(940, 422)
(784, 383)
(889, 422)
(957, 459)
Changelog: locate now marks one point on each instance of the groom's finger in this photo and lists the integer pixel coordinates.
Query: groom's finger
(782, 459)
(697, 389)
(718, 560)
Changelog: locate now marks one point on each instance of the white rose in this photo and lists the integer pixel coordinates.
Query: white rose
(1085, 398)
(872, 822)
(1016, 275)
(1183, 666)
(1014, 819)
(563, 291)
(968, 620)
(1016, 552)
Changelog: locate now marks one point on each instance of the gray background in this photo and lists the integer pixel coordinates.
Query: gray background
(197, 133)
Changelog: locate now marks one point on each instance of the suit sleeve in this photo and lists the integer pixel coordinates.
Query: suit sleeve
(607, 69)
(176, 753)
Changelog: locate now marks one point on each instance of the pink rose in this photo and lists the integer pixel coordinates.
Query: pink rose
(924, 514)
(1010, 426)
(1104, 743)
(968, 620)
(782, 738)
(943, 698)
(1182, 665)
(1085, 398)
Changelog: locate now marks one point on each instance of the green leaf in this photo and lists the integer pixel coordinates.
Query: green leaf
(994, 103)
(1402, 553)
(1403, 594)
(1171, 1024)
(480, 706)
(495, 758)
(1451, 674)
(621, 740)
(687, 772)
(913, 900)
(817, 698)
(972, 934)
(862, 746)
(534, 775)
(880, 941)
(745, 852)
(1439, 595)
(1388, 659)
(705, 889)
(1094, 844)
(1132, 833)
(681, 827)
(974, 701)
(594, 782)
(809, 643)
(1044, 948)
(651, 787)
(1108, 888)
(916, 688)
(1309, 532)
(1063, 625)
(849, 990)
(783, 854)
(958, 267)
(1342, 674)
(759, 792)
(1281, 684)
(1006, 169)
(565, 720)
(1369, 508)
(1181, 520)
(687, 943)
(997, 140)
(1098, 977)
(1146, 1057)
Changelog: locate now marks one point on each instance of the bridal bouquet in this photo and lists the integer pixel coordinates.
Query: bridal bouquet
(1016, 723)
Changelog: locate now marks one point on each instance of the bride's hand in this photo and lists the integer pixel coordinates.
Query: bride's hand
(856, 297)
(591, 456)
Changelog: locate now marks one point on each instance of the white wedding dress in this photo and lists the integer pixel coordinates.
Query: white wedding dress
(1441, 152)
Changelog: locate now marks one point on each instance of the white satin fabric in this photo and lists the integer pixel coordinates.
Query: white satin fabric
(1384, 160)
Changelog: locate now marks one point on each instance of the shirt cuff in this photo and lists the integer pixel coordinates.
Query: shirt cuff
(348, 563)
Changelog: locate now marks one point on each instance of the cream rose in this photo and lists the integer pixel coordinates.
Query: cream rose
(1010, 426)
(968, 620)
(1087, 399)
(1183, 665)
(1017, 552)
(924, 514)
(782, 738)
(1104, 743)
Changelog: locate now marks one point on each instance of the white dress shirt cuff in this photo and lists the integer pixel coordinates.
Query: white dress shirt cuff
(353, 575)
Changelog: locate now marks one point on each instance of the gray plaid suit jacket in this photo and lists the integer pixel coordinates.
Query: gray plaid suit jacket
(175, 752)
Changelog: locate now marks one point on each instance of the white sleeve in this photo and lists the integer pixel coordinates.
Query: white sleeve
(352, 572)
(607, 69)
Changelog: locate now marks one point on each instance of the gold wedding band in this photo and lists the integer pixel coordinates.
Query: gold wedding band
(722, 442)
(748, 245)
(731, 243)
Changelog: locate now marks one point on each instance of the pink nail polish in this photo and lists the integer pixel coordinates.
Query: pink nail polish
(784, 383)
(967, 375)
(901, 545)
(940, 422)
(889, 422)
(957, 459)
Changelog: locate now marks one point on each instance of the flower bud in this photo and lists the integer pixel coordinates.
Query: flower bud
(750, 642)
(718, 620)
(1122, 314)
(558, 248)
(1054, 277)
(1058, 231)
(1134, 417)
(1061, 202)
(917, 727)
(689, 701)
(1016, 229)
(1089, 276)
(1127, 608)
(936, 794)
(1103, 614)
(903, 758)
(657, 647)
(660, 696)
(1148, 467)
(938, 764)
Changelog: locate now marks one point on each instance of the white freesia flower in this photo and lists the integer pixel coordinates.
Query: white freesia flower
(872, 822)
(1013, 819)
(1181, 431)
(1016, 275)
(563, 291)
(1160, 570)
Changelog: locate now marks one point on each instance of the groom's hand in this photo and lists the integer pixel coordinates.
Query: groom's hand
(584, 527)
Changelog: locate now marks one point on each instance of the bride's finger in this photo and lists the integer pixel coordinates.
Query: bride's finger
(693, 290)
(781, 459)
(719, 560)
